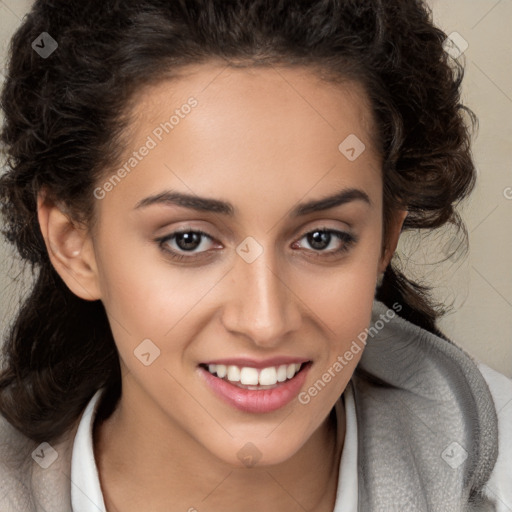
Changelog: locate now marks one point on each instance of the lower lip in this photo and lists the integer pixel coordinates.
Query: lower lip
(248, 400)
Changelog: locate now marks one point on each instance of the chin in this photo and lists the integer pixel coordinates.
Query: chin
(257, 453)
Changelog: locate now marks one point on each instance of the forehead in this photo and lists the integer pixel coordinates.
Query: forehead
(267, 130)
(264, 93)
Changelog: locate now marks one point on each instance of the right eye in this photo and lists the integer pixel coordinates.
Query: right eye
(183, 240)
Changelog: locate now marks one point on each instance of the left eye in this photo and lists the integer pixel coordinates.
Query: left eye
(319, 239)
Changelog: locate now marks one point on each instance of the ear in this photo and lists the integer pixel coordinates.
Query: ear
(70, 249)
(392, 239)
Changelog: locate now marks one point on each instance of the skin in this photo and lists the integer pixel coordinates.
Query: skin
(263, 139)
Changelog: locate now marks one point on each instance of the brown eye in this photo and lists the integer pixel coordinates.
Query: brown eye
(186, 241)
(320, 239)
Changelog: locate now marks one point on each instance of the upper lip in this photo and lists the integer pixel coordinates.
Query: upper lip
(255, 363)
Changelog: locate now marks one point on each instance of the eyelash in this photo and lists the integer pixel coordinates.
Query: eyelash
(348, 239)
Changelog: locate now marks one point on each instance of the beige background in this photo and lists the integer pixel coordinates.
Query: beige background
(478, 286)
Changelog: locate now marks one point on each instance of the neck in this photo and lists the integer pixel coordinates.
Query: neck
(192, 480)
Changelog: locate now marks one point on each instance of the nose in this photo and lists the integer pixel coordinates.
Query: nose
(260, 303)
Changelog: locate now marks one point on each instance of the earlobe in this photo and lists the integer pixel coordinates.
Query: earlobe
(392, 239)
(70, 249)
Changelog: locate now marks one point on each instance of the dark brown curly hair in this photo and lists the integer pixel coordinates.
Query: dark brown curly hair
(65, 116)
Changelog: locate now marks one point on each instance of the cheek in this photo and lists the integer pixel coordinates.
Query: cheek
(343, 309)
(149, 297)
(133, 292)
(343, 297)
(345, 313)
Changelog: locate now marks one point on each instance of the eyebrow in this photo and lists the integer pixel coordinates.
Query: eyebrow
(205, 204)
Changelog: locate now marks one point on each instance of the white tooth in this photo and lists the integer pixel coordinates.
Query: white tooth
(281, 373)
(212, 368)
(221, 370)
(297, 367)
(233, 373)
(249, 376)
(268, 376)
(290, 371)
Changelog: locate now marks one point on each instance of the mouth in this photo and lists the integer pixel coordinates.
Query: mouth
(253, 389)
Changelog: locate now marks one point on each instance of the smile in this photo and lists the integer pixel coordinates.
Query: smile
(256, 390)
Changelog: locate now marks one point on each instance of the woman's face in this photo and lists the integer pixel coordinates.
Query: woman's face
(255, 291)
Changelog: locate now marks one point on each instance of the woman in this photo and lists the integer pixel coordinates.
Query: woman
(211, 193)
